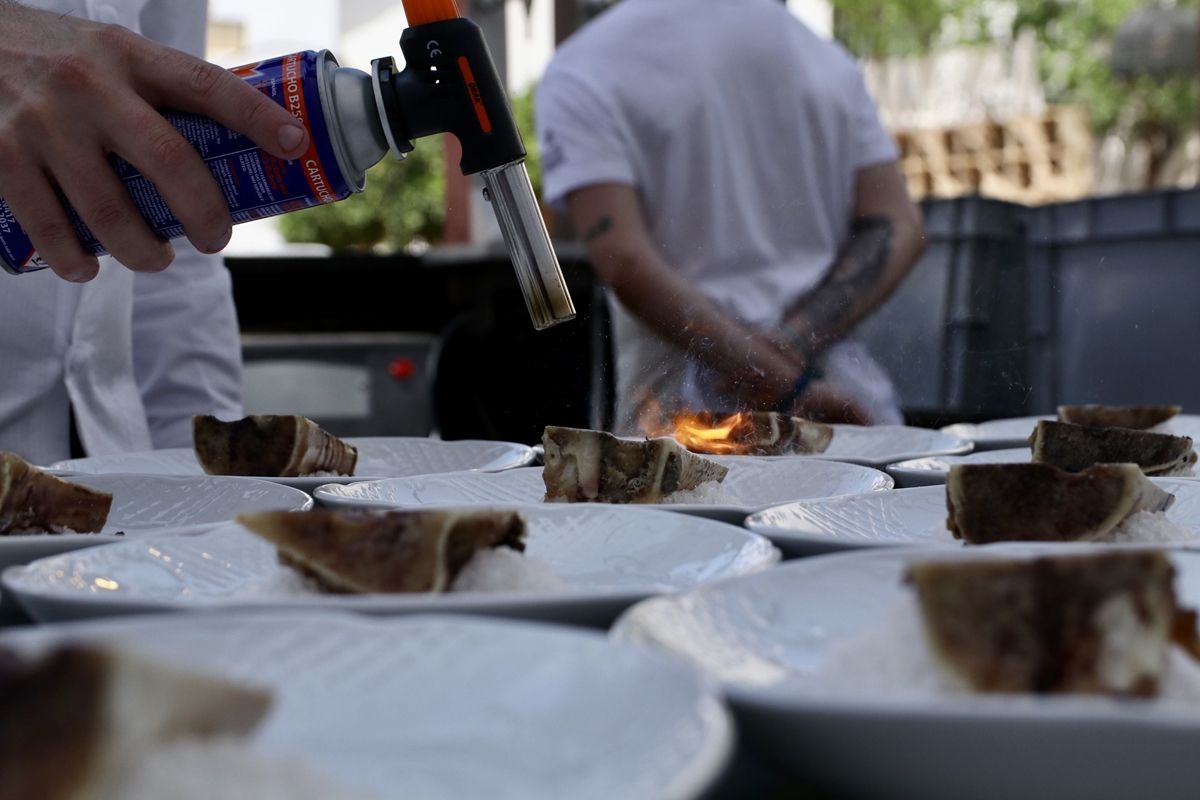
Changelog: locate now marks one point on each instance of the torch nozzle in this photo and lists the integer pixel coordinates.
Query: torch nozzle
(541, 279)
(450, 85)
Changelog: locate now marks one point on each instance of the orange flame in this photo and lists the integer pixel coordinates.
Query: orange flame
(701, 432)
(730, 434)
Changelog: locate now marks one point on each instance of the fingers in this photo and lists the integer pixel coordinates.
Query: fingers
(29, 196)
(175, 168)
(176, 80)
(776, 346)
(785, 348)
(847, 412)
(103, 203)
(77, 90)
(825, 404)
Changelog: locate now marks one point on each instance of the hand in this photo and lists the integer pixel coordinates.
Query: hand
(786, 344)
(764, 370)
(823, 402)
(820, 401)
(73, 91)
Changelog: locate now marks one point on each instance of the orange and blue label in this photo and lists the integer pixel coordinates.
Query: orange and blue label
(255, 184)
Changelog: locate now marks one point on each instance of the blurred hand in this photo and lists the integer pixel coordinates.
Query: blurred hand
(73, 91)
(786, 346)
(764, 370)
(823, 402)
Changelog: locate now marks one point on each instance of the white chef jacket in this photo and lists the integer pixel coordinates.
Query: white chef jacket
(135, 355)
(743, 133)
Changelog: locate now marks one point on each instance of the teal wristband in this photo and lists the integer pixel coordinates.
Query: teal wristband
(798, 388)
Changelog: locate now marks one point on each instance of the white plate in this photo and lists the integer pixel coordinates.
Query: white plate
(751, 485)
(883, 444)
(608, 557)
(932, 471)
(902, 517)
(1181, 425)
(1003, 434)
(378, 457)
(149, 505)
(996, 434)
(437, 707)
(767, 638)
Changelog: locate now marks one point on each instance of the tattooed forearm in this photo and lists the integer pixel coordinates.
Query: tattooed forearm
(835, 305)
(602, 226)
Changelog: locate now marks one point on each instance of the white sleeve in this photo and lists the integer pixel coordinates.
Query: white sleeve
(187, 356)
(580, 139)
(873, 145)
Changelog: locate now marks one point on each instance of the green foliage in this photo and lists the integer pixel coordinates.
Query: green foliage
(522, 109)
(886, 28)
(1076, 38)
(403, 204)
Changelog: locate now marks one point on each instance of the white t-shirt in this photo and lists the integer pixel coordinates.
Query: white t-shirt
(743, 132)
(134, 355)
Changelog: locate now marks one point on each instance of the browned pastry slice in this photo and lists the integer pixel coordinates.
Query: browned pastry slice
(33, 502)
(761, 433)
(1101, 416)
(270, 445)
(1092, 623)
(388, 551)
(585, 466)
(1076, 447)
(75, 719)
(1042, 503)
(1186, 634)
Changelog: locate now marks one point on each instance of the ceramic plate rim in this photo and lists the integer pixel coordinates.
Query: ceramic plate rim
(1028, 710)
(523, 455)
(908, 463)
(792, 537)
(960, 430)
(829, 545)
(920, 476)
(10, 541)
(963, 447)
(331, 493)
(997, 442)
(14, 580)
(705, 767)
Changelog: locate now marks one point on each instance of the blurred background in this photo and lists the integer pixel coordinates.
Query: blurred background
(1054, 144)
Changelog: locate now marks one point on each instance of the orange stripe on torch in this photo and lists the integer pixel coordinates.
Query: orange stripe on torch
(485, 122)
(419, 12)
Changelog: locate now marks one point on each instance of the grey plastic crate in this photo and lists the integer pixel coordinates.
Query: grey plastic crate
(954, 336)
(1113, 304)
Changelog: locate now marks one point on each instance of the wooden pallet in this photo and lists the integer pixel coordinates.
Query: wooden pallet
(1025, 159)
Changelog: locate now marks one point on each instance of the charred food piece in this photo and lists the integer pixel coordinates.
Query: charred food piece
(270, 445)
(1076, 447)
(76, 718)
(763, 433)
(1101, 416)
(32, 501)
(388, 551)
(1042, 503)
(584, 466)
(1088, 624)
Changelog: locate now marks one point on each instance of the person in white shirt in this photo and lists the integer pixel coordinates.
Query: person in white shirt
(131, 353)
(737, 192)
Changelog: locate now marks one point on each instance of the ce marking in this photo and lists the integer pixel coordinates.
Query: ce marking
(434, 48)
